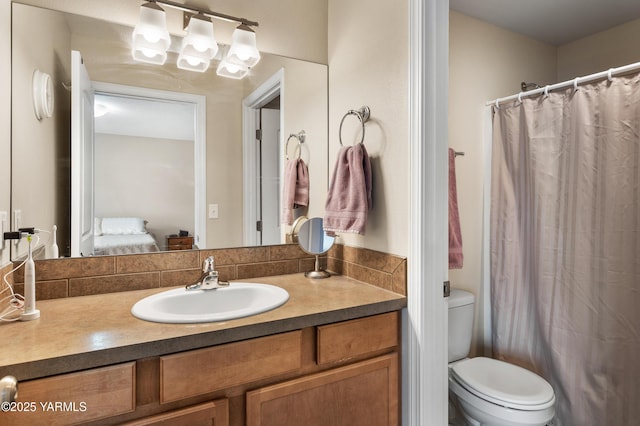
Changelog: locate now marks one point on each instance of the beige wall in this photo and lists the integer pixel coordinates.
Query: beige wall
(485, 62)
(368, 65)
(41, 141)
(615, 47)
(145, 177)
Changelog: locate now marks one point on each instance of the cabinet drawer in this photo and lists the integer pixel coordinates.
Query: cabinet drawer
(344, 340)
(76, 397)
(179, 243)
(207, 414)
(207, 370)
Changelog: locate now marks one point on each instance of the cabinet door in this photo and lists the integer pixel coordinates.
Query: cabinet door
(365, 393)
(207, 414)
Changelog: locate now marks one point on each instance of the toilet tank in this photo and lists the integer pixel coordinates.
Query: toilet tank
(460, 323)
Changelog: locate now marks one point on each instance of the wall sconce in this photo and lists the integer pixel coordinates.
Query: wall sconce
(151, 40)
(150, 36)
(199, 46)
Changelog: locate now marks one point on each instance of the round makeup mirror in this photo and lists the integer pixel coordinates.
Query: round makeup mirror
(313, 240)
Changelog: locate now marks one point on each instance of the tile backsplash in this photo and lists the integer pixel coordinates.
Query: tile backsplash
(71, 277)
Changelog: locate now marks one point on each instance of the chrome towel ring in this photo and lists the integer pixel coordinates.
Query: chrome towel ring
(363, 115)
(300, 138)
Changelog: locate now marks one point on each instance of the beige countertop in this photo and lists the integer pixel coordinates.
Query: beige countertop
(91, 331)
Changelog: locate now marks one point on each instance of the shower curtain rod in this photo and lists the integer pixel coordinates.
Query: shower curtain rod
(610, 73)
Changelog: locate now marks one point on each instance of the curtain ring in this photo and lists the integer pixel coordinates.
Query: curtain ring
(497, 103)
(610, 74)
(546, 90)
(363, 115)
(300, 138)
(520, 97)
(575, 83)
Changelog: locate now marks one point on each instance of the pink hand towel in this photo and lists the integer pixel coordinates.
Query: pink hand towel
(295, 188)
(349, 197)
(455, 235)
(301, 197)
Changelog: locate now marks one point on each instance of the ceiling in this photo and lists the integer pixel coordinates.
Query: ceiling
(142, 117)
(554, 22)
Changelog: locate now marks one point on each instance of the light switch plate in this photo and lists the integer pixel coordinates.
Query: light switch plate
(213, 211)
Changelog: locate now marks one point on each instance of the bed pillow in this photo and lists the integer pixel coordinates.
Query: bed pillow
(123, 225)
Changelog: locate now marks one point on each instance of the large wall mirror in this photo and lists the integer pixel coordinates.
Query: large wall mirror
(171, 147)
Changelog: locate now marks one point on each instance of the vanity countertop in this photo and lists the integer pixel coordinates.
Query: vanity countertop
(77, 333)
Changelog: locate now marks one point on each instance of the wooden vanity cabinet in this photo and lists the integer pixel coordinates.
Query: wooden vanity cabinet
(340, 374)
(365, 392)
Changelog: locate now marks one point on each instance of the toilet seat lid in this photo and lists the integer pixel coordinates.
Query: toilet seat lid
(504, 384)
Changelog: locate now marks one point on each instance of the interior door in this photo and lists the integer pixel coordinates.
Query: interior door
(270, 176)
(82, 154)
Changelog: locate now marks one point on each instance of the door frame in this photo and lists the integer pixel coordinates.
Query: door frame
(199, 147)
(425, 324)
(267, 91)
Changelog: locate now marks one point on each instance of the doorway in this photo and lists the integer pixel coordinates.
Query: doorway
(263, 162)
(188, 212)
(269, 173)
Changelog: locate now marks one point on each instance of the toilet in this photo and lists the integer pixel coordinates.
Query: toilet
(487, 391)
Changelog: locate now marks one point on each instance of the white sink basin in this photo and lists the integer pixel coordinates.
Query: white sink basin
(193, 306)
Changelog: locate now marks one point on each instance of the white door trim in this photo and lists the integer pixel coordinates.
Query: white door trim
(199, 148)
(425, 386)
(267, 91)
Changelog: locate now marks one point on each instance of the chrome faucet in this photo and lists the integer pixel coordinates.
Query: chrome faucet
(209, 279)
(8, 389)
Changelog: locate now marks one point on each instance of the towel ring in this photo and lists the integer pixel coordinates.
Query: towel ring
(300, 138)
(363, 115)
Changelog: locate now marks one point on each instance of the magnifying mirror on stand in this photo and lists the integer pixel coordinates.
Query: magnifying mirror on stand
(313, 240)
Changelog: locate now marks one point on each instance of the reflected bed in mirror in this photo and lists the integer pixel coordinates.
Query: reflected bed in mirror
(210, 204)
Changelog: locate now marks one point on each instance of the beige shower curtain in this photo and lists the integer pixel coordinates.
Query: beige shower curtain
(565, 246)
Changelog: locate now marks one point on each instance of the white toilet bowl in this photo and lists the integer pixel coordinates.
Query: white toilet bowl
(487, 391)
(495, 393)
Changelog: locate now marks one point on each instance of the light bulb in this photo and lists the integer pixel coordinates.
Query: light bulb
(149, 53)
(193, 61)
(200, 45)
(233, 68)
(151, 36)
(243, 55)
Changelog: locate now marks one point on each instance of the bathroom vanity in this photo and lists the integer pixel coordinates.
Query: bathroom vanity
(330, 355)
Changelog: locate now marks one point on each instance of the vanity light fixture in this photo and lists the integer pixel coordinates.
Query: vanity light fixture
(199, 46)
(243, 50)
(150, 36)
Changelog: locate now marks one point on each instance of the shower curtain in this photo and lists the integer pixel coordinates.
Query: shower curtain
(565, 246)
